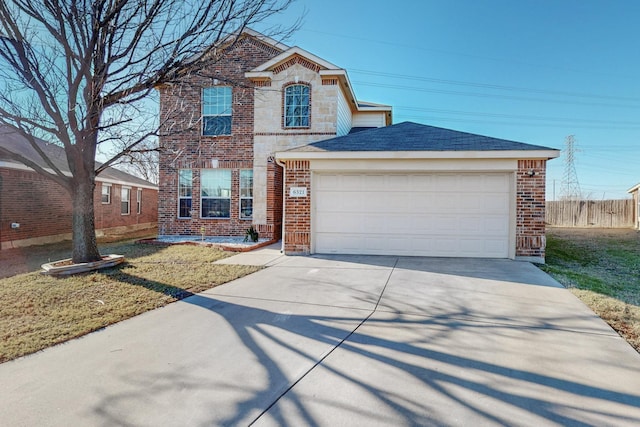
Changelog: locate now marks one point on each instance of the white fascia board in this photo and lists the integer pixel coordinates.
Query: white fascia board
(125, 183)
(514, 154)
(367, 108)
(343, 77)
(293, 51)
(20, 166)
(634, 188)
(414, 165)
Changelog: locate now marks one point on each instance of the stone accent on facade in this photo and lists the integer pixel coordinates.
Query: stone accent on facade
(530, 209)
(269, 134)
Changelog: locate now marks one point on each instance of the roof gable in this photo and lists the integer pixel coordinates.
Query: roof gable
(292, 56)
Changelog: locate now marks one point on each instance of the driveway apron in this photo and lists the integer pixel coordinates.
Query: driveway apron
(343, 340)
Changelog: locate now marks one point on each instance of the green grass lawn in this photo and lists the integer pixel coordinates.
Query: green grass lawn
(602, 268)
(39, 311)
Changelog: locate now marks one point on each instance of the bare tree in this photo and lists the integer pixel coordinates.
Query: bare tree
(77, 72)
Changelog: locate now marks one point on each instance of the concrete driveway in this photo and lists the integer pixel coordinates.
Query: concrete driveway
(343, 341)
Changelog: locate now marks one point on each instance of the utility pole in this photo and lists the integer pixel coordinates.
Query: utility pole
(570, 184)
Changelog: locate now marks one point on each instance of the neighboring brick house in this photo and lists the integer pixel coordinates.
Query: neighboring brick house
(283, 144)
(35, 210)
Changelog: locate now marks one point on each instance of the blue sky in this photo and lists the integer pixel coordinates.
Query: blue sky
(529, 71)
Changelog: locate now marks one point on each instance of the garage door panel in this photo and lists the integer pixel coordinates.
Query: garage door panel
(433, 214)
(338, 222)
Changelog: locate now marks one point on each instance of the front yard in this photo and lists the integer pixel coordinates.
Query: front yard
(602, 268)
(39, 311)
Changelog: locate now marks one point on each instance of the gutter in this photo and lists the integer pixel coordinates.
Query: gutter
(284, 197)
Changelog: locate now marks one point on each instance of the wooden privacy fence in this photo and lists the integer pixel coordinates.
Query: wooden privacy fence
(590, 213)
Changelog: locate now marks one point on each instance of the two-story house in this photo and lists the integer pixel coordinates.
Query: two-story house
(273, 136)
(219, 176)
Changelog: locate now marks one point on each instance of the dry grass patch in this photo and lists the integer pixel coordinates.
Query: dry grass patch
(39, 311)
(602, 268)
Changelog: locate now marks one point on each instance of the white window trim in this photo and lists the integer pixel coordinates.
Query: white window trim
(284, 117)
(184, 197)
(241, 198)
(139, 201)
(108, 202)
(217, 198)
(229, 114)
(128, 201)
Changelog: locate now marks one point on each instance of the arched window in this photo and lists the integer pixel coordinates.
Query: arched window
(296, 106)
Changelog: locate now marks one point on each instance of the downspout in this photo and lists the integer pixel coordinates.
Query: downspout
(284, 198)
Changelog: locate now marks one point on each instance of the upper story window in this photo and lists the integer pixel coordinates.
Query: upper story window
(216, 110)
(296, 106)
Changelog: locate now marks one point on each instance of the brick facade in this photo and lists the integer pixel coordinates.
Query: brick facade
(530, 208)
(43, 209)
(186, 147)
(297, 210)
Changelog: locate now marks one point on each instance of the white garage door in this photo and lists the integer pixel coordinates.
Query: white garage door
(438, 214)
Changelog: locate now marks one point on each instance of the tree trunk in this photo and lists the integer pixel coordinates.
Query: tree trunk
(85, 247)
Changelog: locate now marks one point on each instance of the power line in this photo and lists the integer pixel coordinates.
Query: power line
(510, 123)
(494, 86)
(514, 116)
(493, 96)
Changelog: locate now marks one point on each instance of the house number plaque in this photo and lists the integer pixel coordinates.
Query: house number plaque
(298, 192)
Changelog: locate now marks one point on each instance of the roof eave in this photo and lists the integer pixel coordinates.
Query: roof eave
(265, 66)
(298, 154)
(634, 188)
(19, 166)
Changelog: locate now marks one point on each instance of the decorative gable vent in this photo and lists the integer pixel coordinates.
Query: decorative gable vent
(296, 60)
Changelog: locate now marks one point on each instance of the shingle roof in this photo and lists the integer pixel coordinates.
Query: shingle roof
(19, 145)
(409, 136)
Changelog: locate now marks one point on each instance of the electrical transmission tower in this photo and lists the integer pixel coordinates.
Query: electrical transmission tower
(570, 184)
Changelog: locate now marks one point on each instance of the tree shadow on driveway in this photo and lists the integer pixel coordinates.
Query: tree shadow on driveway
(285, 363)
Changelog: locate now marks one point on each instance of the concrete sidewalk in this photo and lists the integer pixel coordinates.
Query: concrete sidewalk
(343, 341)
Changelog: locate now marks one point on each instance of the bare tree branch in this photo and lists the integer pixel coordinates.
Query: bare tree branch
(76, 72)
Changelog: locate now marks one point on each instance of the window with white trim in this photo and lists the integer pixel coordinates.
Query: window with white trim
(216, 110)
(125, 199)
(139, 201)
(246, 194)
(215, 193)
(185, 192)
(106, 194)
(296, 106)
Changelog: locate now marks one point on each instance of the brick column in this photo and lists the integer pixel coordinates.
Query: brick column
(530, 210)
(297, 210)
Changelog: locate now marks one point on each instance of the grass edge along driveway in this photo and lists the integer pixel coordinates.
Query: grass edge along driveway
(39, 311)
(602, 268)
